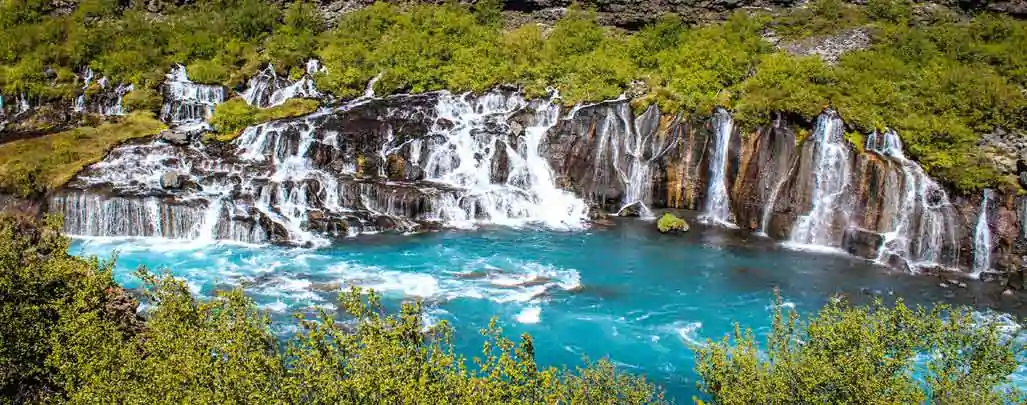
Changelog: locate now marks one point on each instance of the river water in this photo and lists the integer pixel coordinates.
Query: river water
(623, 291)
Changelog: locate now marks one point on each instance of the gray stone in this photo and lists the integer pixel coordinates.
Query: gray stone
(174, 137)
(171, 181)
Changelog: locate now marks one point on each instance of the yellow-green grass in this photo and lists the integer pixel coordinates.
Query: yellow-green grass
(233, 116)
(38, 165)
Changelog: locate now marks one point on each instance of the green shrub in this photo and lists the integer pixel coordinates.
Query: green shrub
(234, 115)
(142, 99)
(864, 355)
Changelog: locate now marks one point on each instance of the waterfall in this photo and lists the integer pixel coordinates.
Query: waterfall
(922, 231)
(831, 172)
(80, 101)
(982, 237)
(266, 89)
(304, 179)
(473, 134)
(718, 203)
(188, 103)
(626, 148)
(23, 105)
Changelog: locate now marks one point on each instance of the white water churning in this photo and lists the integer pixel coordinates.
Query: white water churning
(188, 103)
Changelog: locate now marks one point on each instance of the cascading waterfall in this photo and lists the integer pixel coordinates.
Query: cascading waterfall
(187, 103)
(80, 101)
(831, 173)
(982, 237)
(626, 149)
(922, 231)
(268, 90)
(717, 208)
(475, 132)
(299, 179)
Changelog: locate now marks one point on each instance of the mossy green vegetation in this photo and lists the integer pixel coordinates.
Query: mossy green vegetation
(671, 223)
(872, 354)
(71, 335)
(939, 81)
(37, 165)
(234, 115)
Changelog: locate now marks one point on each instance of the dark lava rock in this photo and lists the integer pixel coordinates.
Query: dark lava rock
(862, 242)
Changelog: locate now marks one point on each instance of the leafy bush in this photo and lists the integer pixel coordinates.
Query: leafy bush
(142, 99)
(234, 115)
(865, 355)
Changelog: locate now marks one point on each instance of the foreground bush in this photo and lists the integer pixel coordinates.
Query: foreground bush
(71, 335)
(865, 355)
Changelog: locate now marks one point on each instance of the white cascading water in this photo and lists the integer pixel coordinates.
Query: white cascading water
(80, 101)
(187, 103)
(818, 229)
(470, 141)
(23, 105)
(271, 187)
(268, 90)
(717, 208)
(982, 237)
(630, 150)
(922, 231)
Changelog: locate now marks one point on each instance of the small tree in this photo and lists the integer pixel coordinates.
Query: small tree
(864, 355)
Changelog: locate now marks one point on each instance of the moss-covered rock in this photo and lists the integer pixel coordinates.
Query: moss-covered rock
(671, 223)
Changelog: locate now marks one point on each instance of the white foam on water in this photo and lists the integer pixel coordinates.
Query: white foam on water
(277, 306)
(689, 332)
(530, 315)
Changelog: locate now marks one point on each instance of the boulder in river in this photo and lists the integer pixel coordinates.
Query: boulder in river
(671, 223)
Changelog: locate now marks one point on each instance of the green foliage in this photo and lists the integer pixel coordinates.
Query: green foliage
(819, 17)
(669, 222)
(893, 11)
(864, 355)
(40, 284)
(37, 165)
(234, 115)
(142, 99)
(71, 335)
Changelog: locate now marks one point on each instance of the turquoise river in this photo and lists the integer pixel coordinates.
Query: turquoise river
(624, 291)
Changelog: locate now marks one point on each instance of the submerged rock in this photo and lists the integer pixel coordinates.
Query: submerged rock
(671, 223)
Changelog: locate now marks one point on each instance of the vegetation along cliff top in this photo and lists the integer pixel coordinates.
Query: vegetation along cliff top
(941, 77)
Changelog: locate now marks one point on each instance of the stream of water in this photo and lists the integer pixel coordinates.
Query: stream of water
(626, 291)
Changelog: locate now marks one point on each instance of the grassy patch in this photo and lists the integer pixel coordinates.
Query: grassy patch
(38, 165)
(232, 116)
